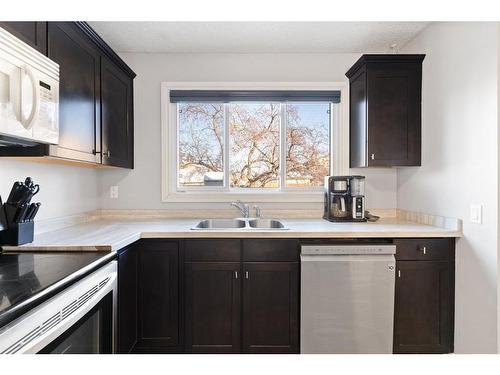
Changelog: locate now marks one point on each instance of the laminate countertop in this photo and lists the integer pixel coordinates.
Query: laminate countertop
(112, 235)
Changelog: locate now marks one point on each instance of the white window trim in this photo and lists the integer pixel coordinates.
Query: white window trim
(339, 139)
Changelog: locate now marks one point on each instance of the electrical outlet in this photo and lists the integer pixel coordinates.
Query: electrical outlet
(476, 213)
(113, 192)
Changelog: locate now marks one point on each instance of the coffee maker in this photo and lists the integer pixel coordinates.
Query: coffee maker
(344, 198)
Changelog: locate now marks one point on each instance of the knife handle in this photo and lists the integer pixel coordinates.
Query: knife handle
(35, 211)
(29, 213)
(21, 213)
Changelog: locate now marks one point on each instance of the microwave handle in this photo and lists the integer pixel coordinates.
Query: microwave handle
(27, 120)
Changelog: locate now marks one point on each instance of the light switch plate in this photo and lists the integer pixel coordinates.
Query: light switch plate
(113, 192)
(476, 213)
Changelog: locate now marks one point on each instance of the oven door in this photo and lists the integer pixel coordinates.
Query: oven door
(92, 334)
(81, 319)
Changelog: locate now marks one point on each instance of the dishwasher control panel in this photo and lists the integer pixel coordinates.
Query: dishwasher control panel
(348, 249)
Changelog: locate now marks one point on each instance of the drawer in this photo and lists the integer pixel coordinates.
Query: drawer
(271, 250)
(157, 244)
(425, 249)
(216, 250)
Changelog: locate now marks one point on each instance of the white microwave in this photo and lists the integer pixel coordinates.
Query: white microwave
(29, 93)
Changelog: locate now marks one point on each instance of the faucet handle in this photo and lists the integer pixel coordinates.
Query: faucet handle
(257, 211)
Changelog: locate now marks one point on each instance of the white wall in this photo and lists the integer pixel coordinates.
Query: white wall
(141, 188)
(64, 190)
(460, 165)
(498, 209)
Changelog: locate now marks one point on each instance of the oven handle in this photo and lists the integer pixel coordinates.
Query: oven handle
(39, 327)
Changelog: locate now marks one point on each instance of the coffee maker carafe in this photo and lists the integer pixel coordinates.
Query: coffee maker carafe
(344, 198)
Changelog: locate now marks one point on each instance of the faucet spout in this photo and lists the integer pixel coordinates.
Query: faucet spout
(243, 207)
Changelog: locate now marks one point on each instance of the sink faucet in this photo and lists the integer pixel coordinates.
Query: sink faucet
(243, 207)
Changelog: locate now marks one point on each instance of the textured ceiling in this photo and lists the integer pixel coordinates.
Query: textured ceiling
(256, 37)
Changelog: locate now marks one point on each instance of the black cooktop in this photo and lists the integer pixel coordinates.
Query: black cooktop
(28, 279)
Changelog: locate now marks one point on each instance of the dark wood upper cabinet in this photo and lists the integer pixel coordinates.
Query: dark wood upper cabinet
(95, 95)
(385, 110)
(33, 33)
(117, 116)
(158, 299)
(271, 307)
(213, 307)
(424, 299)
(79, 92)
(127, 299)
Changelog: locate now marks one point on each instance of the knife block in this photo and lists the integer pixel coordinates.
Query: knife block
(15, 234)
(18, 234)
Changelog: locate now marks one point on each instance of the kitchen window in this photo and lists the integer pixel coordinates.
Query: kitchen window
(250, 144)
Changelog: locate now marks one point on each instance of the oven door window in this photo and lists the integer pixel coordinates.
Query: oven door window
(92, 334)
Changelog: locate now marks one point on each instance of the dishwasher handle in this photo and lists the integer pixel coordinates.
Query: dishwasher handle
(348, 249)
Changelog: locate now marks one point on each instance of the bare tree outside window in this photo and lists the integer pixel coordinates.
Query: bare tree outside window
(201, 144)
(307, 144)
(254, 160)
(254, 130)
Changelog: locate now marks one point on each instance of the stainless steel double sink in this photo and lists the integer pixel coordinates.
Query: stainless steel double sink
(239, 224)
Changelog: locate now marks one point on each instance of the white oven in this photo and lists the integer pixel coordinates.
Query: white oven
(29, 93)
(81, 319)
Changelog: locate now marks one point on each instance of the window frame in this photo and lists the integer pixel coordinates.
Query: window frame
(339, 144)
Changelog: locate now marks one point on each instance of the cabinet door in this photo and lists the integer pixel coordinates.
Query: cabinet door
(213, 307)
(271, 307)
(127, 299)
(30, 32)
(117, 116)
(158, 295)
(394, 114)
(357, 119)
(79, 92)
(423, 317)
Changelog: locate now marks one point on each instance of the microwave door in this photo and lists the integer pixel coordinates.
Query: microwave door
(11, 123)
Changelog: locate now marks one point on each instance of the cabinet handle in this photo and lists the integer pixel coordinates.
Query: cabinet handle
(424, 250)
(372, 156)
(108, 153)
(236, 275)
(399, 273)
(246, 274)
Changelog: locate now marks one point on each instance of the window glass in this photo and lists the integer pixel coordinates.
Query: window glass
(254, 158)
(201, 144)
(252, 132)
(307, 144)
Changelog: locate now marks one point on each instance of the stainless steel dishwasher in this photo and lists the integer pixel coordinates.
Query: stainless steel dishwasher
(347, 298)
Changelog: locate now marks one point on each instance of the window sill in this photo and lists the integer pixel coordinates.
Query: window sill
(228, 197)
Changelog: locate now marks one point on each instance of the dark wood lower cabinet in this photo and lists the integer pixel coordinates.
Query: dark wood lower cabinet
(425, 295)
(271, 307)
(213, 307)
(158, 296)
(231, 296)
(127, 299)
(423, 318)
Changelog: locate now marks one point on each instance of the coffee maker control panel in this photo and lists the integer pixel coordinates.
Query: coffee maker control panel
(358, 207)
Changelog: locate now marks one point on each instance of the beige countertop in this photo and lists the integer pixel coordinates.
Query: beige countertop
(112, 235)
